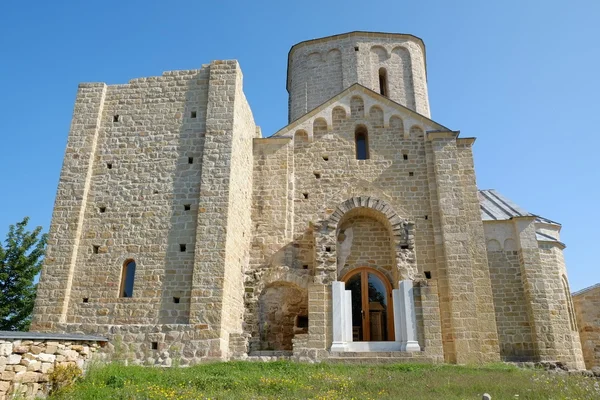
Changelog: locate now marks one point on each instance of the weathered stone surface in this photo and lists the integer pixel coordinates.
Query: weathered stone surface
(13, 359)
(43, 357)
(5, 349)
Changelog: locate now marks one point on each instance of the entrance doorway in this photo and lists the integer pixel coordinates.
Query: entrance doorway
(372, 308)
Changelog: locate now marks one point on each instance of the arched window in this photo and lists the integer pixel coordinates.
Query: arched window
(383, 83)
(127, 278)
(361, 138)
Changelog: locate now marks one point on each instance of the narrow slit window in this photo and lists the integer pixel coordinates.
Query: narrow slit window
(383, 84)
(182, 247)
(193, 114)
(362, 143)
(127, 278)
(405, 156)
(190, 160)
(154, 345)
(116, 118)
(95, 249)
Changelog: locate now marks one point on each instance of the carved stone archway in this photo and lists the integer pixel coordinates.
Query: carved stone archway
(401, 231)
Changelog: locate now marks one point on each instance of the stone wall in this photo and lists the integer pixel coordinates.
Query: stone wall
(27, 360)
(587, 310)
(512, 317)
(129, 189)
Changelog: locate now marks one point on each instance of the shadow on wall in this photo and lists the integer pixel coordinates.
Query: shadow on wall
(184, 198)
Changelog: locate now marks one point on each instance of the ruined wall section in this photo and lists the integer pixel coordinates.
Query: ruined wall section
(320, 69)
(146, 166)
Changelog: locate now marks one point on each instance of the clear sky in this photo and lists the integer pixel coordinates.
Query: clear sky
(520, 75)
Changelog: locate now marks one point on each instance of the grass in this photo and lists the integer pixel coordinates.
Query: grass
(285, 380)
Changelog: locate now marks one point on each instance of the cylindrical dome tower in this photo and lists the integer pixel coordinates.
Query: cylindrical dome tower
(392, 64)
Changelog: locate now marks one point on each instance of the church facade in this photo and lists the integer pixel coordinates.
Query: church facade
(180, 231)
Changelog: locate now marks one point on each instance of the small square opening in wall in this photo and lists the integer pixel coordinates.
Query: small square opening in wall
(176, 300)
(95, 249)
(411, 174)
(154, 345)
(109, 165)
(405, 156)
(328, 249)
(193, 114)
(305, 195)
(182, 247)
(155, 191)
(102, 210)
(187, 207)
(116, 118)
(427, 274)
(305, 266)
(301, 321)
(355, 48)
(325, 158)
(190, 160)
(86, 300)
(317, 175)
(404, 247)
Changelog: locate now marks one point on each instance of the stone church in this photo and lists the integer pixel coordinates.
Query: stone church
(356, 231)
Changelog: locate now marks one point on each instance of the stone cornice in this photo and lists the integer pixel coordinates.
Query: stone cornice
(466, 141)
(433, 135)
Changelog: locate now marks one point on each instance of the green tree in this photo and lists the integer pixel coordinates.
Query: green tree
(21, 259)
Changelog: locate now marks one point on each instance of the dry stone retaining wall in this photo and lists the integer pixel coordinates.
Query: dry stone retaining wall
(27, 360)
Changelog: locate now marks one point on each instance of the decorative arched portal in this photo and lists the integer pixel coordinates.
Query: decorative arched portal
(339, 255)
(372, 305)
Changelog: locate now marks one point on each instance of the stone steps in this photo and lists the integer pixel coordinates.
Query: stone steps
(383, 357)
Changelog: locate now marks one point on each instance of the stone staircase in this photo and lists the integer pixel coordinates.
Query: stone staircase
(383, 357)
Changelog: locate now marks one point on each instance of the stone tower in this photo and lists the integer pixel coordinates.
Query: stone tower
(391, 63)
(358, 227)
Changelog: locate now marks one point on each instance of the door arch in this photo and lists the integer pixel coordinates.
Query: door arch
(372, 305)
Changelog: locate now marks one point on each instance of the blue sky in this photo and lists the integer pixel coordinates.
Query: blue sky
(521, 76)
